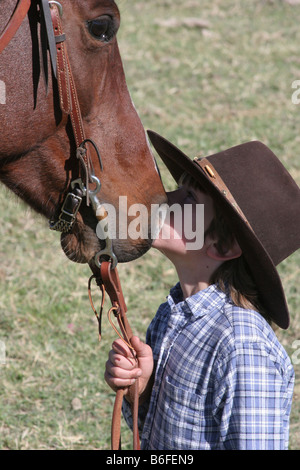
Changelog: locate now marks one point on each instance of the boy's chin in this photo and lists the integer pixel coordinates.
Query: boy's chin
(156, 244)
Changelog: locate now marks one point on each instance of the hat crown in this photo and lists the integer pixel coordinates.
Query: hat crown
(266, 193)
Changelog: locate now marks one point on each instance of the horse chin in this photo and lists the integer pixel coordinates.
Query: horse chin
(126, 253)
(81, 246)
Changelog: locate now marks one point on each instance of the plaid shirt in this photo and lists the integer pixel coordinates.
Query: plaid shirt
(222, 379)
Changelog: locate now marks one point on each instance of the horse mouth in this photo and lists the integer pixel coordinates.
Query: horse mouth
(84, 242)
(82, 245)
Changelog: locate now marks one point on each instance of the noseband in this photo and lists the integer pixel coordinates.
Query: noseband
(105, 261)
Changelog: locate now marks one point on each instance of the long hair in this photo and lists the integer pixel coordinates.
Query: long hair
(234, 276)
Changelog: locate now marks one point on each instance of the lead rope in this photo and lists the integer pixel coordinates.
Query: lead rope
(108, 281)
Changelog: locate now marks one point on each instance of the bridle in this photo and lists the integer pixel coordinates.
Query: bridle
(105, 261)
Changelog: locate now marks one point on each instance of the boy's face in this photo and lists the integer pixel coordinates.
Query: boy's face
(191, 213)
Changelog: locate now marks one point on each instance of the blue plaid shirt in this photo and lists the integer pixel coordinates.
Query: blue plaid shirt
(222, 379)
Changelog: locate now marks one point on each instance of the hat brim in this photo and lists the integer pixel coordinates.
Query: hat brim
(263, 270)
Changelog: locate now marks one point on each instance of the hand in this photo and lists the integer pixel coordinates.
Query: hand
(122, 369)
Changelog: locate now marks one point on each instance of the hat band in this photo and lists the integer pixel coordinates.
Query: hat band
(217, 181)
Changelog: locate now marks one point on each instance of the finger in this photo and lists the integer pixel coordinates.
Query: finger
(120, 347)
(122, 373)
(117, 382)
(141, 349)
(121, 361)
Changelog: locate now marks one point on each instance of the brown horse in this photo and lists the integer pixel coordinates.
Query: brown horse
(37, 151)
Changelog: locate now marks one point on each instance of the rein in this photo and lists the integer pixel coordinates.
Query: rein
(108, 281)
(104, 264)
(14, 23)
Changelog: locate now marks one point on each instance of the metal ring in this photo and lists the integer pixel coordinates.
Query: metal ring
(110, 254)
(98, 185)
(60, 8)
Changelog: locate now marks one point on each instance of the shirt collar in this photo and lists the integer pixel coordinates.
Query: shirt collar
(199, 304)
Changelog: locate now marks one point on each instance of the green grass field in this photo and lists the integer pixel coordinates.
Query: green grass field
(205, 89)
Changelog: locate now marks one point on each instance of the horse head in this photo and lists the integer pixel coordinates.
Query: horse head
(38, 147)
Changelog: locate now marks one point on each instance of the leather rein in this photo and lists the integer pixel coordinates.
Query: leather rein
(104, 263)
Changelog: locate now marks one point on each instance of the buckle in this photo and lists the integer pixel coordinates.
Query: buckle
(68, 214)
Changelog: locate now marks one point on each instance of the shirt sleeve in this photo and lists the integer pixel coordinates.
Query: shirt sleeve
(251, 404)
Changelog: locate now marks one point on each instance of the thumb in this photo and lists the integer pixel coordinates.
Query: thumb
(141, 349)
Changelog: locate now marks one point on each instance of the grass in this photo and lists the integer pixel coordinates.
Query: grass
(205, 90)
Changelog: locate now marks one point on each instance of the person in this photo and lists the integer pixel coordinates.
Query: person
(212, 373)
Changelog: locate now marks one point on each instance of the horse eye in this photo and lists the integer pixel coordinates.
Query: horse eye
(102, 28)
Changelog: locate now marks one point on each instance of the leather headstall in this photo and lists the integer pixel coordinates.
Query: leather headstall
(14, 23)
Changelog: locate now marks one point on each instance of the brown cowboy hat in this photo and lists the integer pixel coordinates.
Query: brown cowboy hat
(261, 201)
